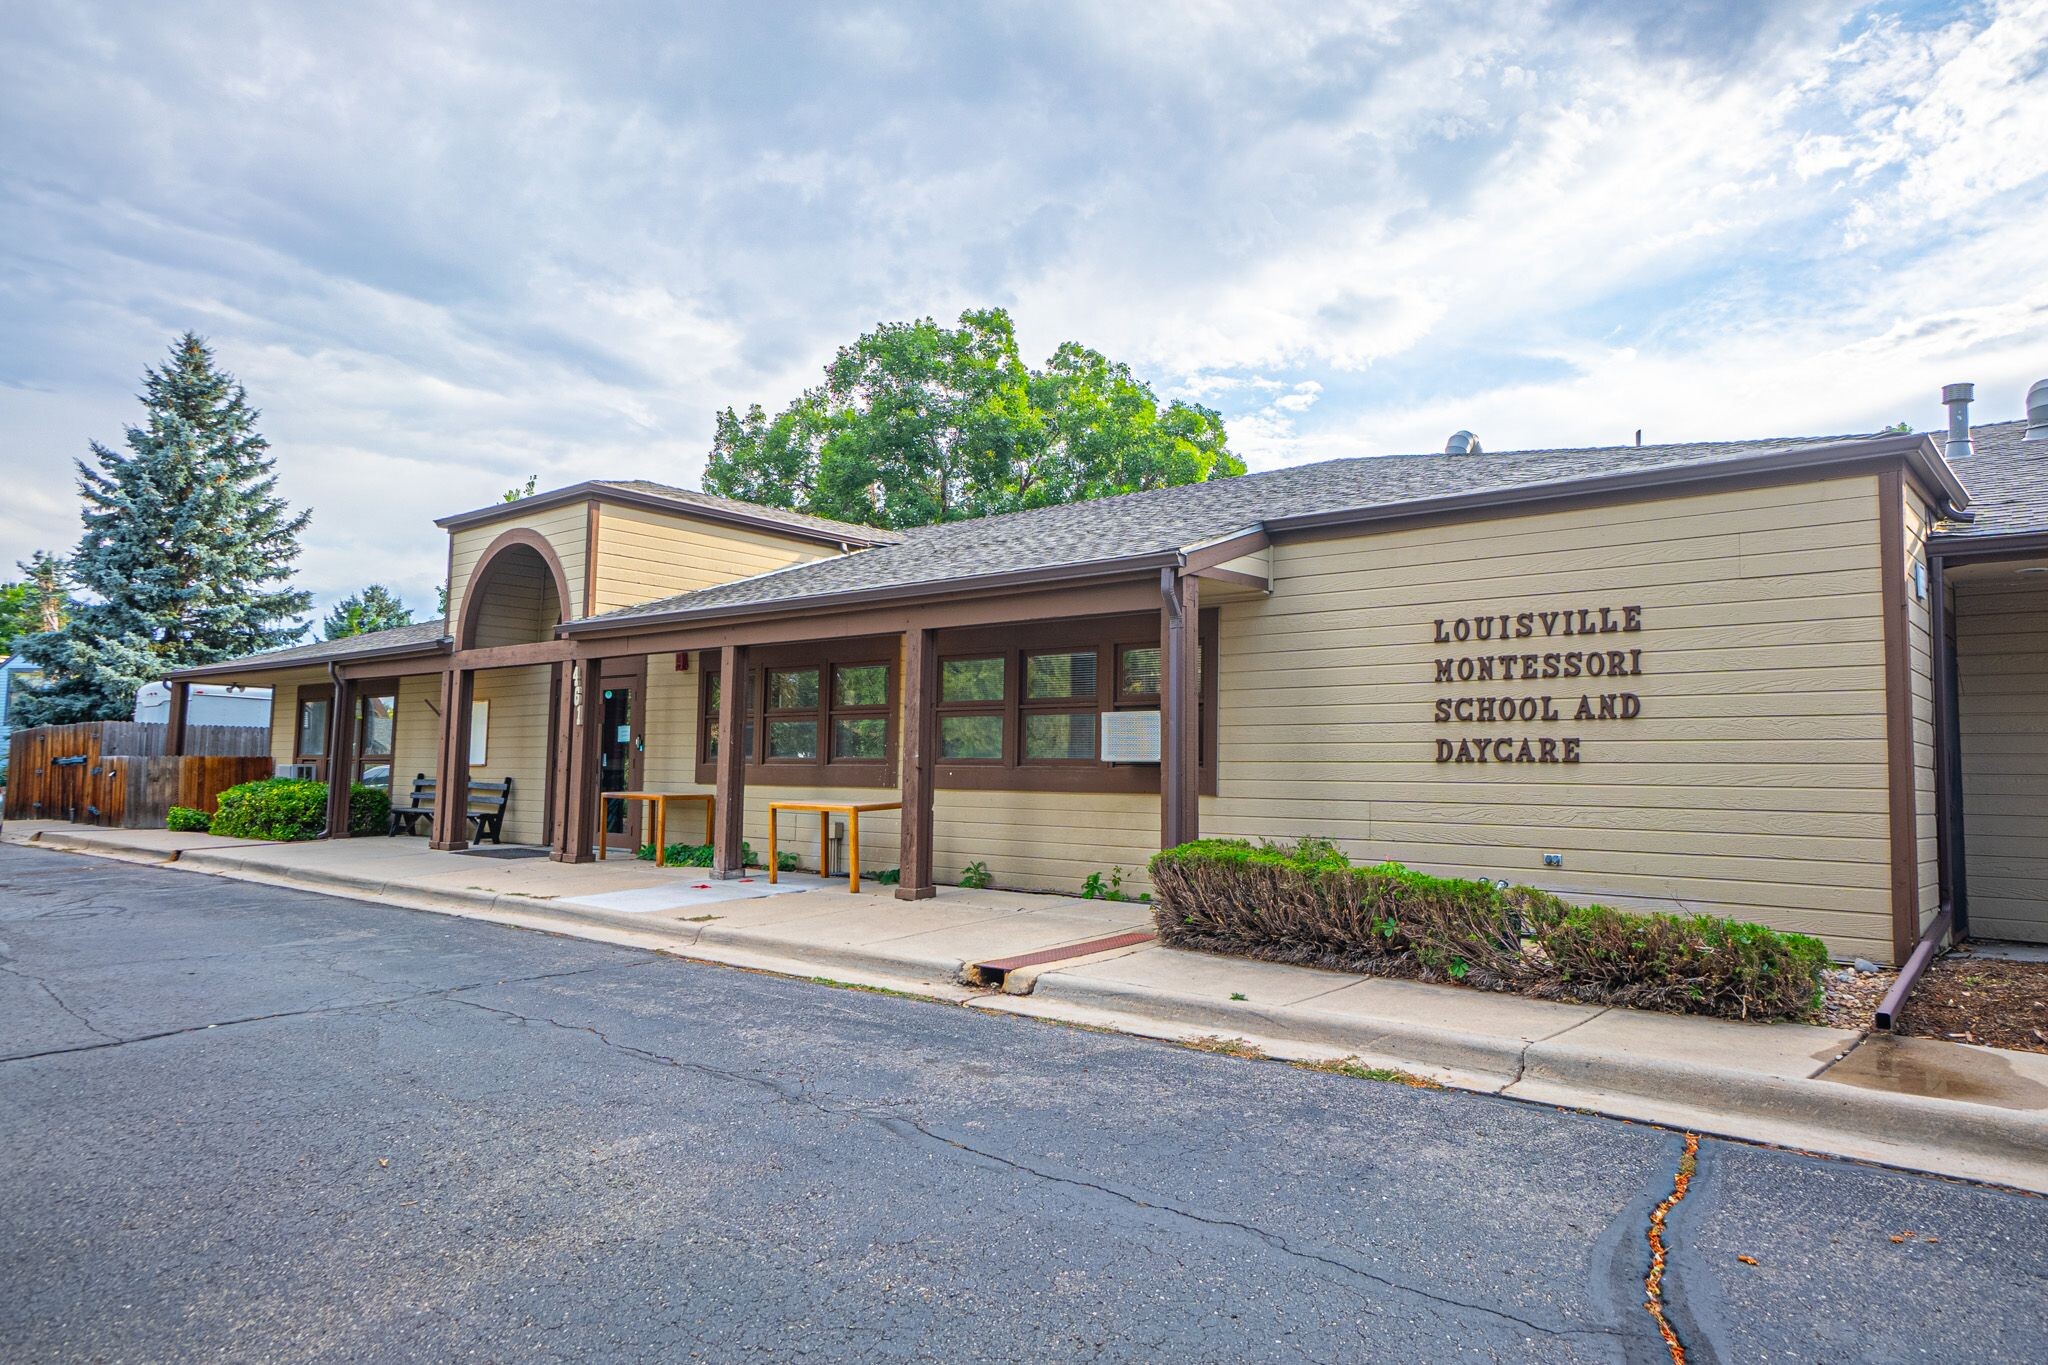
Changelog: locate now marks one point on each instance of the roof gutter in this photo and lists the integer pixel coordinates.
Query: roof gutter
(1918, 451)
(1009, 580)
(254, 663)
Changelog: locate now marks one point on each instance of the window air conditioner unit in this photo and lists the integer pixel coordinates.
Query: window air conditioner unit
(1130, 736)
(298, 770)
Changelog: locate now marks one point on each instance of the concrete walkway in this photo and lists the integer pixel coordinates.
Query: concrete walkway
(1924, 1104)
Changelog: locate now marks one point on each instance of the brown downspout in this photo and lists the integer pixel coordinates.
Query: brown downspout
(1909, 975)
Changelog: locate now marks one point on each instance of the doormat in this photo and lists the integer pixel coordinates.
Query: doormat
(513, 852)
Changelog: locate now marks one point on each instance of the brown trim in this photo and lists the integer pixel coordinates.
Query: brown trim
(451, 778)
(590, 520)
(174, 721)
(1234, 576)
(631, 674)
(920, 740)
(1973, 549)
(1068, 577)
(575, 836)
(313, 692)
(517, 538)
(1209, 554)
(1835, 459)
(1898, 714)
(341, 754)
(1948, 796)
(435, 651)
(520, 656)
(1095, 599)
(626, 497)
(1180, 691)
(1106, 635)
(825, 656)
(730, 818)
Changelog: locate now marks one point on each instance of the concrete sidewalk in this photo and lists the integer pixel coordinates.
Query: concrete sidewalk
(1959, 1110)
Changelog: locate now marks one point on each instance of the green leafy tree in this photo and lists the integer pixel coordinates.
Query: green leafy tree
(38, 602)
(186, 552)
(917, 423)
(526, 490)
(374, 608)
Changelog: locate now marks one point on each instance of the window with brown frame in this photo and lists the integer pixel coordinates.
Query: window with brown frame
(824, 714)
(311, 723)
(1019, 708)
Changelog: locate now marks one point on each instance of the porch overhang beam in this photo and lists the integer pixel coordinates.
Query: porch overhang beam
(1094, 599)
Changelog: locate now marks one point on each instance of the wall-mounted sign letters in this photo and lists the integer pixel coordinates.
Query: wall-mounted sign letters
(1562, 645)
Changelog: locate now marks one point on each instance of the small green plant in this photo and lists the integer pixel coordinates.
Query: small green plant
(1237, 995)
(886, 876)
(785, 862)
(1094, 888)
(185, 820)
(699, 855)
(976, 876)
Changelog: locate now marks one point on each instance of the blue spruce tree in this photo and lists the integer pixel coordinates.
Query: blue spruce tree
(187, 550)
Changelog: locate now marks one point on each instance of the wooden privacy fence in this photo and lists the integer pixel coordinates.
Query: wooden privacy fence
(115, 773)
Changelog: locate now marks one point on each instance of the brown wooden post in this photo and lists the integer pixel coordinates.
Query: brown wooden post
(1180, 699)
(727, 859)
(451, 782)
(174, 729)
(582, 715)
(920, 744)
(341, 753)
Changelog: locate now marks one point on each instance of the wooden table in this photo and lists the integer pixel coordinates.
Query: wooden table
(825, 810)
(658, 802)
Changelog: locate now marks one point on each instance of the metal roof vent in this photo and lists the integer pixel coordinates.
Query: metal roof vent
(2037, 412)
(1462, 443)
(1956, 397)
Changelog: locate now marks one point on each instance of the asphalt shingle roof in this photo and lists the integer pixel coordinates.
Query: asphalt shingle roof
(1175, 518)
(690, 497)
(2008, 482)
(421, 633)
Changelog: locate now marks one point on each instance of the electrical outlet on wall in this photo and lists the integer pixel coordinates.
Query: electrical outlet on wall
(1553, 860)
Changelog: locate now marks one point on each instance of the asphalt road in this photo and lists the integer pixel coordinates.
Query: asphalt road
(245, 1123)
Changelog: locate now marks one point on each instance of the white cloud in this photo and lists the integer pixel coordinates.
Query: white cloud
(448, 245)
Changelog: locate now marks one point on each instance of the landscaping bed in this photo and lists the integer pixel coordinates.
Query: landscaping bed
(1304, 904)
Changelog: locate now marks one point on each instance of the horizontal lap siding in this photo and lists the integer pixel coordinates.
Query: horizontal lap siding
(564, 528)
(284, 708)
(1920, 658)
(2002, 701)
(415, 733)
(1754, 784)
(644, 555)
(516, 746)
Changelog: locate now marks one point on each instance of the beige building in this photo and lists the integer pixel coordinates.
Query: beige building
(1789, 681)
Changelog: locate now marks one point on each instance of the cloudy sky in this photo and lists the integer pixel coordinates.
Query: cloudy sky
(447, 245)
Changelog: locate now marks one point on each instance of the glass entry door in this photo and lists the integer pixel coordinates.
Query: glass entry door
(615, 752)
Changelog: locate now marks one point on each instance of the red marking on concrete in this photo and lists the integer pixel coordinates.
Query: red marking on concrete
(1070, 950)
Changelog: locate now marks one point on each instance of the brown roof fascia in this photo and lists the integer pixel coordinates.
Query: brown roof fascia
(592, 490)
(1988, 545)
(861, 597)
(1918, 452)
(256, 663)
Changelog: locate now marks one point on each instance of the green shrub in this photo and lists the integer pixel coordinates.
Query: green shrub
(1695, 964)
(185, 820)
(369, 809)
(1305, 904)
(976, 876)
(293, 809)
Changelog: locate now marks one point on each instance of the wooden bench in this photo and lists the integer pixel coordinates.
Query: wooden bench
(487, 802)
(825, 810)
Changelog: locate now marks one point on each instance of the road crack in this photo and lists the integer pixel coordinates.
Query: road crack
(57, 1000)
(1653, 1283)
(441, 992)
(900, 1125)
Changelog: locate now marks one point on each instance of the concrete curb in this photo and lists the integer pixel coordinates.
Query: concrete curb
(1952, 1137)
(1408, 1045)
